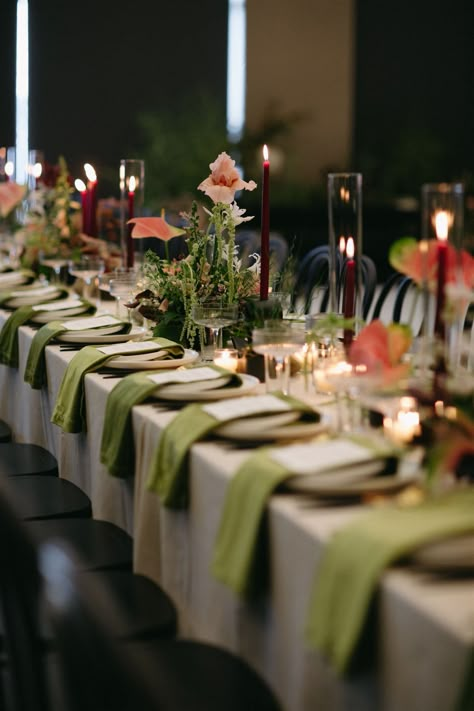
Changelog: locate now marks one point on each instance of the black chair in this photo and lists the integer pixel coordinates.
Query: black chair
(38, 498)
(171, 675)
(5, 432)
(27, 646)
(387, 296)
(20, 459)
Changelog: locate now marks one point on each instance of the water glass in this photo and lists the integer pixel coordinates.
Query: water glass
(277, 342)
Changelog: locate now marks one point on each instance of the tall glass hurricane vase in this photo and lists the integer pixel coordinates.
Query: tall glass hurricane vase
(345, 246)
(132, 188)
(443, 223)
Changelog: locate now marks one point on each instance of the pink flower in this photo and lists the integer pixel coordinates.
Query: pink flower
(380, 348)
(406, 257)
(10, 195)
(224, 180)
(154, 227)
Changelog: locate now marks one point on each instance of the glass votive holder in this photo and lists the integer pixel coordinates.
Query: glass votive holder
(227, 358)
(405, 425)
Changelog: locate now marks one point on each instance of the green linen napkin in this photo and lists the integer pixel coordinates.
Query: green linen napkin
(9, 333)
(238, 559)
(69, 409)
(117, 447)
(356, 557)
(239, 550)
(168, 472)
(35, 371)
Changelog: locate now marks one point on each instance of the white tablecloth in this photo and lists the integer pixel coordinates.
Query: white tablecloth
(426, 626)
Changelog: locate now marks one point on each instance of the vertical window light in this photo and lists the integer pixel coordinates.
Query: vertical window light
(236, 67)
(21, 91)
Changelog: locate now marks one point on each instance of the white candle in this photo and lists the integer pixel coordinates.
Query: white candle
(226, 358)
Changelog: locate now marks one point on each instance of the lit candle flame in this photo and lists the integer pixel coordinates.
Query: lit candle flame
(90, 172)
(37, 170)
(9, 168)
(350, 248)
(342, 244)
(80, 185)
(442, 222)
(132, 184)
(265, 152)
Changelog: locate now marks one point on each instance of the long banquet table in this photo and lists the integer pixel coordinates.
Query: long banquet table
(426, 625)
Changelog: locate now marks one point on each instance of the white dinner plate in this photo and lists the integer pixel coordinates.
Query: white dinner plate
(9, 279)
(249, 383)
(174, 389)
(60, 314)
(93, 337)
(355, 481)
(281, 426)
(452, 555)
(39, 296)
(131, 363)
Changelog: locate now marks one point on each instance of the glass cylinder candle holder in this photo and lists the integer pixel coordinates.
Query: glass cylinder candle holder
(35, 168)
(345, 247)
(132, 189)
(442, 215)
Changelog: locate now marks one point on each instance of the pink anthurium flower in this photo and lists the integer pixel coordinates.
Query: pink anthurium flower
(380, 348)
(406, 257)
(154, 227)
(224, 180)
(10, 195)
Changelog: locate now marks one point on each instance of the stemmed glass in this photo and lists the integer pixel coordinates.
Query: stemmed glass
(55, 263)
(277, 341)
(122, 286)
(88, 269)
(214, 315)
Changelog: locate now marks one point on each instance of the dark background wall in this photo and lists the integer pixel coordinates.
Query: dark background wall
(97, 65)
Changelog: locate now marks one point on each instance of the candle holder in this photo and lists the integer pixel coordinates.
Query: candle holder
(442, 217)
(345, 247)
(35, 168)
(132, 188)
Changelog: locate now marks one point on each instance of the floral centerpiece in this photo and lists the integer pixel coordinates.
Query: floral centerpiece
(211, 269)
(53, 219)
(11, 197)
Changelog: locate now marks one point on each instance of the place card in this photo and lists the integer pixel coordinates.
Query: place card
(82, 324)
(191, 375)
(58, 305)
(321, 457)
(245, 407)
(130, 347)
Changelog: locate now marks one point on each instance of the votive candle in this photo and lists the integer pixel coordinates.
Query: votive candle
(227, 358)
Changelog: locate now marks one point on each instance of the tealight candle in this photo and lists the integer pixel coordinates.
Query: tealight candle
(227, 358)
(406, 424)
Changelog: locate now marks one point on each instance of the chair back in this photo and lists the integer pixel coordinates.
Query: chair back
(19, 598)
(96, 671)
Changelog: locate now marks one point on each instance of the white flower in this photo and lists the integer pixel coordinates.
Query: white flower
(236, 214)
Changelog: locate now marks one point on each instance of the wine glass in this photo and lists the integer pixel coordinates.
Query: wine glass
(54, 262)
(214, 315)
(122, 286)
(88, 269)
(277, 341)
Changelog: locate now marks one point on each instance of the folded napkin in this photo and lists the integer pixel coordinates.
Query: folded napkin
(35, 371)
(356, 557)
(9, 332)
(117, 447)
(69, 410)
(168, 472)
(238, 551)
